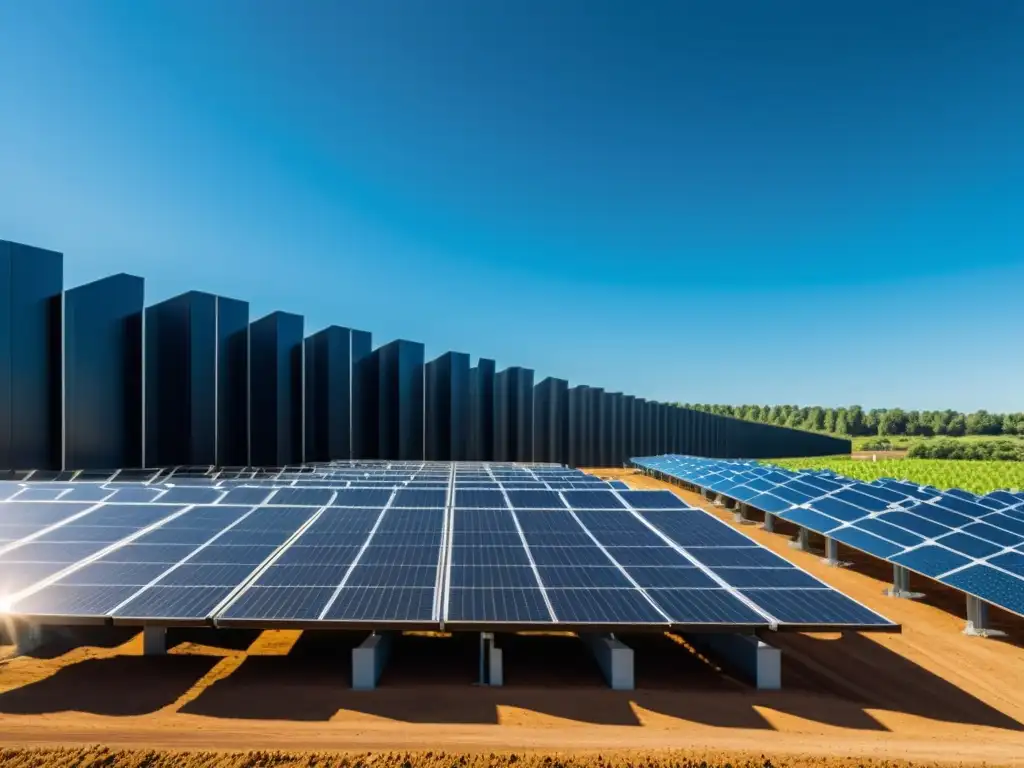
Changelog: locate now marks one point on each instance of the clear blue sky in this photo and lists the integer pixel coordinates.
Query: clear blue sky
(806, 202)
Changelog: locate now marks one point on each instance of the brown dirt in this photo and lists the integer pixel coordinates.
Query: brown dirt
(929, 694)
(866, 455)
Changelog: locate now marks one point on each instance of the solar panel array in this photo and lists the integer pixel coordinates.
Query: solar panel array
(389, 545)
(972, 543)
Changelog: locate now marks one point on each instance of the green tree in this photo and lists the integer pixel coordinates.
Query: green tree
(830, 420)
(892, 422)
(983, 423)
(957, 426)
(855, 425)
(841, 426)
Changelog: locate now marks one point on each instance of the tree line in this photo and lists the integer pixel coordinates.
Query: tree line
(855, 421)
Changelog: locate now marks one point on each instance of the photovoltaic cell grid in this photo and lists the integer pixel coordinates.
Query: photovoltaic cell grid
(390, 544)
(972, 543)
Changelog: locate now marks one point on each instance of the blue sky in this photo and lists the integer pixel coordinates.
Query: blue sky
(816, 203)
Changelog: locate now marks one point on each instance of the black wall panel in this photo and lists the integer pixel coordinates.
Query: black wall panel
(481, 410)
(448, 407)
(513, 415)
(330, 396)
(628, 427)
(93, 381)
(551, 421)
(576, 428)
(615, 455)
(103, 374)
(232, 382)
(275, 389)
(401, 371)
(196, 381)
(31, 281)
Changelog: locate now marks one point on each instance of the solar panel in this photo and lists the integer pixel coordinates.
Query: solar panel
(356, 544)
(960, 539)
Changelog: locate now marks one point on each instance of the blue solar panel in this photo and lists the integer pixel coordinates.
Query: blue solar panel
(497, 606)
(369, 545)
(812, 606)
(992, 585)
(931, 560)
(890, 519)
(705, 606)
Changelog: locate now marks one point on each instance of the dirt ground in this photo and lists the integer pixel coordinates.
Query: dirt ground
(929, 694)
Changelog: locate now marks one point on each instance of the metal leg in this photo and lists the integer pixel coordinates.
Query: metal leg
(901, 584)
(769, 522)
(801, 541)
(977, 619)
(832, 553)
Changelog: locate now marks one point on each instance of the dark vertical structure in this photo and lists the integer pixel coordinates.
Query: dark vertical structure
(448, 407)
(513, 415)
(551, 421)
(330, 392)
(400, 402)
(103, 371)
(196, 381)
(575, 425)
(31, 281)
(481, 411)
(232, 382)
(617, 453)
(628, 450)
(275, 390)
(362, 396)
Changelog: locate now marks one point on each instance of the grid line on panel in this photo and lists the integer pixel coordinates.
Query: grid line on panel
(11, 545)
(183, 561)
(616, 563)
(358, 556)
(772, 621)
(526, 547)
(444, 571)
(112, 547)
(276, 555)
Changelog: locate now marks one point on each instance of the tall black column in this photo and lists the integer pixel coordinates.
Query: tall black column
(103, 396)
(513, 415)
(628, 427)
(551, 421)
(330, 356)
(448, 407)
(481, 411)
(196, 381)
(232, 382)
(31, 281)
(275, 387)
(576, 403)
(401, 400)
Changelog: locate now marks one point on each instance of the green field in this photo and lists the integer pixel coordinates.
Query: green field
(902, 443)
(976, 476)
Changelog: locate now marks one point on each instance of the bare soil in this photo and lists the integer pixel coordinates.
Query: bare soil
(927, 695)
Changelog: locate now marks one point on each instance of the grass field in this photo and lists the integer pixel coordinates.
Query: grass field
(900, 443)
(976, 476)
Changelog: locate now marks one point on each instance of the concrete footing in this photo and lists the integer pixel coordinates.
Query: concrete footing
(977, 619)
(769, 522)
(614, 658)
(154, 641)
(747, 655)
(802, 540)
(368, 660)
(901, 584)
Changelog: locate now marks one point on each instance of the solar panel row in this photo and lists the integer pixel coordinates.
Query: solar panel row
(969, 542)
(424, 545)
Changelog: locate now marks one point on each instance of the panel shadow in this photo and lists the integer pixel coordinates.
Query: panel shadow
(117, 686)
